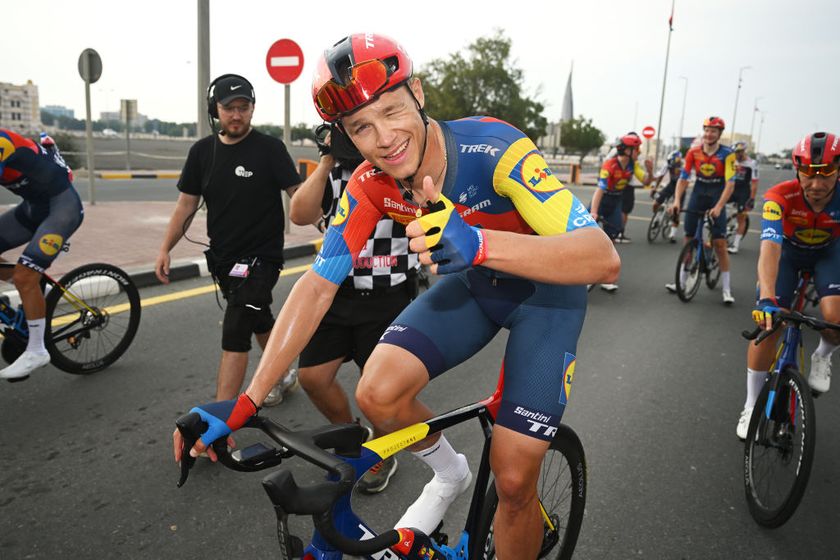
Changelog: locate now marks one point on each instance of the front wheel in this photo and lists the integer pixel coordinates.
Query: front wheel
(657, 223)
(92, 316)
(779, 449)
(561, 489)
(712, 268)
(688, 282)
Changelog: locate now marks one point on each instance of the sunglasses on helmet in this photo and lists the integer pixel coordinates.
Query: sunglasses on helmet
(367, 80)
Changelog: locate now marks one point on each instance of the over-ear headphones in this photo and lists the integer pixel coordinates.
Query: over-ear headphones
(212, 109)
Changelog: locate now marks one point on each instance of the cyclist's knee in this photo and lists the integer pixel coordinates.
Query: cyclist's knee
(516, 489)
(25, 278)
(316, 379)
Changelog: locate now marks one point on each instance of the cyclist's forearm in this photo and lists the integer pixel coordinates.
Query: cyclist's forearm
(682, 184)
(582, 256)
(596, 200)
(305, 207)
(768, 268)
(302, 312)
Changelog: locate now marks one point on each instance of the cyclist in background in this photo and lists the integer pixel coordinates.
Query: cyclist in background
(516, 249)
(800, 226)
(746, 185)
(49, 214)
(671, 168)
(714, 167)
(608, 200)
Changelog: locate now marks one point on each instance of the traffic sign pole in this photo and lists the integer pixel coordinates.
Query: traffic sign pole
(90, 69)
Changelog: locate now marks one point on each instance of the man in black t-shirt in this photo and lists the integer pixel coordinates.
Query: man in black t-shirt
(241, 173)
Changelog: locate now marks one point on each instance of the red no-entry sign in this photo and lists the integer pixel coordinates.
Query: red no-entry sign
(284, 61)
(648, 132)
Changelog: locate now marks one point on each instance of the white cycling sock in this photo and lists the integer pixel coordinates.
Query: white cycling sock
(738, 238)
(36, 336)
(673, 231)
(444, 461)
(724, 276)
(755, 381)
(825, 348)
(683, 276)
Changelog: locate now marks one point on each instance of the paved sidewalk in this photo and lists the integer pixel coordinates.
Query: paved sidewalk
(128, 235)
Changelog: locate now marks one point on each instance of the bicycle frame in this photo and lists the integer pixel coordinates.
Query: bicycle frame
(700, 241)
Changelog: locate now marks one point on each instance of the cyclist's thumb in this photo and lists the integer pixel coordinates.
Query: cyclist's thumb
(429, 191)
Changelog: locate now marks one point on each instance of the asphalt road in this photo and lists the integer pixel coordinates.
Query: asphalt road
(87, 469)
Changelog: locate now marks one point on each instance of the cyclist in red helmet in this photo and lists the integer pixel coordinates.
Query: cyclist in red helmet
(610, 199)
(714, 168)
(799, 230)
(514, 249)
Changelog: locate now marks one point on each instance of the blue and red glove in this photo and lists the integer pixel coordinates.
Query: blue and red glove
(224, 417)
(455, 245)
(766, 307)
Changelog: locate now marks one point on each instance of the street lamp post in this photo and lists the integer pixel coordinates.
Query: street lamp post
(737, 93)
(760, 126)
(682, 115)
(752, 121)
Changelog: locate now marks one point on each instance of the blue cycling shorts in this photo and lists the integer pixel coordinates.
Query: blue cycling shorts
(703, 199)
(462, 312)
(825, 264)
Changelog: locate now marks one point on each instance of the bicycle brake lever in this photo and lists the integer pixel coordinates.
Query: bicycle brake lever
(191, 427)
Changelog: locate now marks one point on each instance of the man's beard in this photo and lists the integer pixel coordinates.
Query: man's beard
(234, 135)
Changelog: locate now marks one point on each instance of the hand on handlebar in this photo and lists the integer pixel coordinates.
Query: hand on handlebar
(222, 418)
(765, 312)
(715, 212)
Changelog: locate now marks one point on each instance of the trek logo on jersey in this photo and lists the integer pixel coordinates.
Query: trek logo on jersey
(342, 211)
(707, 169)
(569, 362)
(771, 211)
(368, 174)
(812, 236)
(538, 422)
(536, 174)
(50, 244)
(479, 149)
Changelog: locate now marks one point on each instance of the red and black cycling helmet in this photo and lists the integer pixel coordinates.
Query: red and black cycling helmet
(714, 122)
(355, 71)
(629, 140)
(817, 153)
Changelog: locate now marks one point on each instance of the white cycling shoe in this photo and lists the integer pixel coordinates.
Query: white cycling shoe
(820, 377)
(727, 297)
(609, 287)
(428, 510)
(671, 287)
(744, 423)
(24, 365)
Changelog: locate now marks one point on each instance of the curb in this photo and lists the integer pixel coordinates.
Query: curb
(145, 277)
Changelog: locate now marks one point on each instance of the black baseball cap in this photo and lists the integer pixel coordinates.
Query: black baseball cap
(233, 87)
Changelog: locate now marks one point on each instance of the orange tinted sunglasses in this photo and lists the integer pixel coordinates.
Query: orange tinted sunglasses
(367, 80)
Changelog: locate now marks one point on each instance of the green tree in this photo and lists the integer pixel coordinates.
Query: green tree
(580, 136)
(482, 81)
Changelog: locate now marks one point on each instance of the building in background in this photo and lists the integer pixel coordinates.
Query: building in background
(550, 143)
(59, 111)
(137, 123)
(19, 109)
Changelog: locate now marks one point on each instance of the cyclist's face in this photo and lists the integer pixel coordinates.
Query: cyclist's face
(818, 188)
(741, 155)
(389, 132)
(711, 134)
(235, 117)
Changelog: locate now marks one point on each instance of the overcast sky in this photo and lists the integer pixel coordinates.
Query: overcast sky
(148, 51)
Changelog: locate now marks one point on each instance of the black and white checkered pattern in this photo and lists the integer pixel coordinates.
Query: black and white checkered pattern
(385, 259)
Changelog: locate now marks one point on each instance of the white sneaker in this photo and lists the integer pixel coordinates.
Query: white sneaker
(744, 423)
(732, 250)
(283, 388)
(428, 510)
(24, 365)
(820, 377)
(609, 287)
(727, 297)
(671, 287)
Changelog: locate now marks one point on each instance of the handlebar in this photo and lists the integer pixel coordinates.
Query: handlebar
(759, 334)
(317, 500)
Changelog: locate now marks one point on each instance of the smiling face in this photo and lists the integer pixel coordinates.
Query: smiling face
(389, 132)
(711, 134)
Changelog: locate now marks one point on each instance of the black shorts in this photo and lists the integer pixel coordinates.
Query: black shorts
(353, 324)
(248, 309)
(628, 199)
(740, 196)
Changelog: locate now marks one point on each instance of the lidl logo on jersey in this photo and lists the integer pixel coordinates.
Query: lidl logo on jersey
(812, 236)
(537, 176)
(707, 169)
(569, 362)
(7, 148)
(771, 211)
(342, 211)
(50, 244)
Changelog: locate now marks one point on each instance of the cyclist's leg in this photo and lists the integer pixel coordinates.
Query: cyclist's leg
(611, 212)
(827, 281)
(13, 233)
(539, 369)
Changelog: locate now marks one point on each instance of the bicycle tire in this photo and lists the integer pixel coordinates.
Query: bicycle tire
(766, 510)
(86, 340)
(559, 499)
(689, 290)
(712, 268)
(656, 224)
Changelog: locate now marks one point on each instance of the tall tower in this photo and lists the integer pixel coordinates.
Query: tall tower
(568, 111)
